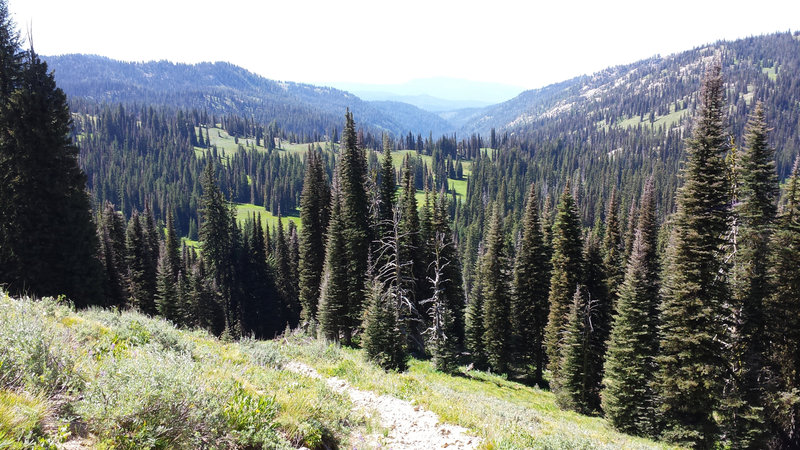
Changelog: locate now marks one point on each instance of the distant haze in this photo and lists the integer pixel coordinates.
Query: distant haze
(436, 94)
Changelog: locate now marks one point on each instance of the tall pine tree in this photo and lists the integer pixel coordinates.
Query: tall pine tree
(334, 289)
(354, 224)
(530, 290)
(314, 214)
(496, 302)
(567, 271)
(783, 326)
(40, 180)
(755, 216)
(692, 365)
(628, 399)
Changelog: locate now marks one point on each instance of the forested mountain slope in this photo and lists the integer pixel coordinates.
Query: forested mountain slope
(222, 88)
(639, 105)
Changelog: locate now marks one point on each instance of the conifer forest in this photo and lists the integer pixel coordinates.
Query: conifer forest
(634, 250)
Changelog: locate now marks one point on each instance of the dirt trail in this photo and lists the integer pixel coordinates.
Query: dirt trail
(410, 427)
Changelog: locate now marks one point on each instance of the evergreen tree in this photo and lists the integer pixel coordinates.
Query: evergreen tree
(599, 323)
(628, 399)
(167, 295)
(755, 214)
(783, 324)
(496, 301)
(452, 279)
(314, 213)
(613, 264)
(474, 319)
(354, 225)
(215, 233)
(166, 298)
(412, 266)
(567, 269)
(112, 246)
(283, 276)
(141, 276)
(383, 341)
(40, 180)
(387, 186)
(691, 361)
(530, 290)
(334, 289)
(576, 389)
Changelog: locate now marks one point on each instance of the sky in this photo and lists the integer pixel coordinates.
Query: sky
(525, 43)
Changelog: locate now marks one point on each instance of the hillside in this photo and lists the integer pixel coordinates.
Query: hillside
(97, 378)
(621, 106)
(222, 88)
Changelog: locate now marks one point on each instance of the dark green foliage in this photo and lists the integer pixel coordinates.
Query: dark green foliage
(354, 225)
(613, 249)
(783, 324)
(691, 362)
(314, 213)
(628, 399)
(334, 289)
(567, 271)
(141, 272)
(412, 266)
(40, 180)
(290, 309)
(753, 225)
(452, 284)
(594, 278)
(383, 340)
(474, 320)
(111, 232)
(216, 234)
(446, 305)
(576, 388)
(495, 272)
(387, 187)
(529, 305)
(168, 300)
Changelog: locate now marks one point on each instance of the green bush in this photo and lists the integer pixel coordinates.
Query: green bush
(33, 353)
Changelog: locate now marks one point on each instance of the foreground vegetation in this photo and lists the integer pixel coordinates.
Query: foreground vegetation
(113, 379)
(503, 412)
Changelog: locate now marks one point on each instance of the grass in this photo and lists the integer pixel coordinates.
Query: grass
(667, 120)
(506, 414)
(21, 416)
(130, 381)
(228, 144)
(770, 72)
(245, 210)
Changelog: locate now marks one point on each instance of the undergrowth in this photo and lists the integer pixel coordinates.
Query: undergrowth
(124, 380)
(504, 413)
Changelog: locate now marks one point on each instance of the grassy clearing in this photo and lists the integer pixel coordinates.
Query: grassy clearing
(124, 380)
(504, 413)
(245, 210)
(770, 72)
(228, 144)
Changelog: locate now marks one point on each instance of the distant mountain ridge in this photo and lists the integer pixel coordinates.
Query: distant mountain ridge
(754, 67)
(222, 88)
(607, 110)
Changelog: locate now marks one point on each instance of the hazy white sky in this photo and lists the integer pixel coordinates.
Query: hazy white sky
(528, 43)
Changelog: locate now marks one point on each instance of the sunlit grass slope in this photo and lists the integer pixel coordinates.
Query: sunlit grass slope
(123, 380)
(506, 414)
